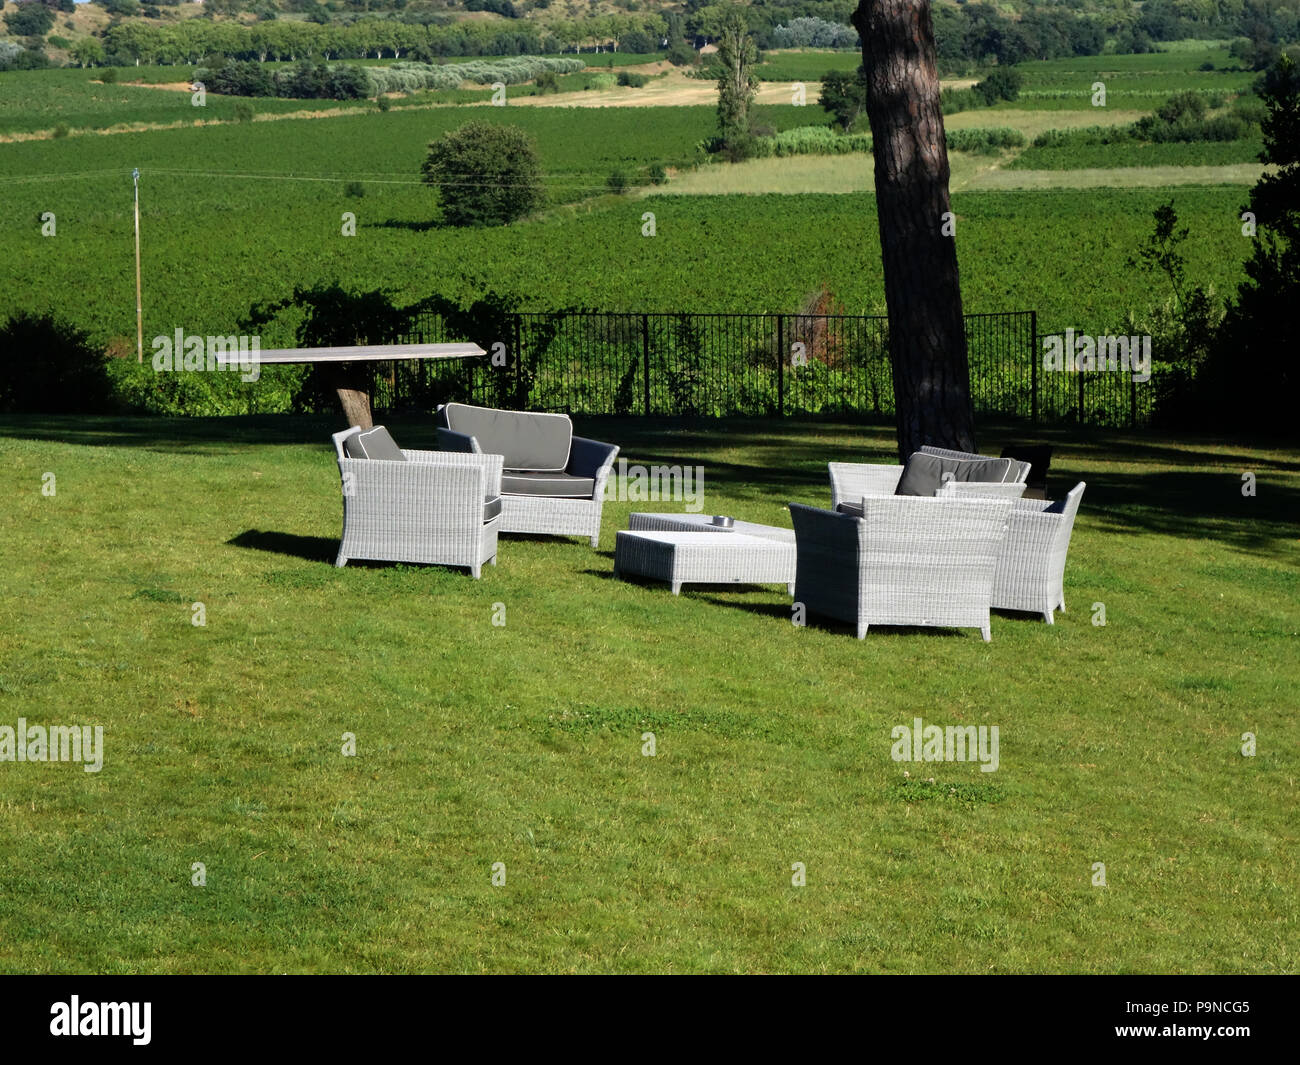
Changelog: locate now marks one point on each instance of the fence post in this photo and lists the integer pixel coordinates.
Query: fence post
(1033, 367)
(645, 363)
(780, 366)
(1133, 402)
(1081, 414)
(521, 399)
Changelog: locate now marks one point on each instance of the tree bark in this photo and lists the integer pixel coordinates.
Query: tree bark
(350, 384)
(927, 334)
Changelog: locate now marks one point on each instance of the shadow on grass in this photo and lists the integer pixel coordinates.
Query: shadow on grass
(1186, 486)
(309, 548)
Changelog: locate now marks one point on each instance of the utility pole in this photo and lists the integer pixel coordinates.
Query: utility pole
(139, 306)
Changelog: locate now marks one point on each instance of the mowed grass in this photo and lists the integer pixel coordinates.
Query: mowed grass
(522, 744)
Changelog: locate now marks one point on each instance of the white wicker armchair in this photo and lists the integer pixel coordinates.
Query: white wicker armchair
(909, 560)
(433, 508)
(1031, 566)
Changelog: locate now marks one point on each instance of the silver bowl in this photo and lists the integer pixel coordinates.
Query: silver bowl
(722, 521)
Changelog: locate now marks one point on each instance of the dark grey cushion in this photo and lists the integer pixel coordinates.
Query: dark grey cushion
(519, 483)
(376, 443)
(491, 507)
(537, 443)
(854, 510)
(924, 475)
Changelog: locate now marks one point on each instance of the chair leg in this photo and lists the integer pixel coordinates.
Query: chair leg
(595, 540)
(789, 589)
(987, 632)
(862, 628)
(677, 587)
(493, 560)
(476, 571)
(341, 561)
(1047, 616)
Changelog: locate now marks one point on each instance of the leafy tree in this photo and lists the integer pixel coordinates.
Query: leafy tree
(29, 20)
(1002, 83)
(738, 83)
(844, 95)
(485, 174)
(50, 367)
(1251, 377)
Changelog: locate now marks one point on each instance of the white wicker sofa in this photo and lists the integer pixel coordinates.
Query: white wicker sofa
(416, 506)
(960, 473)
(552, 482)
(908, 560)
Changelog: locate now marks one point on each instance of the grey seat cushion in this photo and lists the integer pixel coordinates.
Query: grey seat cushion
(924, 475)
(376, 443)
(852, 509)
(536, 443)
(563, 485)
(491, 507)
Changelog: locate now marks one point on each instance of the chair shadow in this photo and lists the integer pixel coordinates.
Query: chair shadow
(310, 548)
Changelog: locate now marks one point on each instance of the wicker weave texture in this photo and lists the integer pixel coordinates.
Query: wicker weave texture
(907, 561)
(1031, 565)
(704, 558)
(428, 509)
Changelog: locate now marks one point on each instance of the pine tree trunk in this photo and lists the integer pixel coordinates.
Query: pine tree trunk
(927, 335)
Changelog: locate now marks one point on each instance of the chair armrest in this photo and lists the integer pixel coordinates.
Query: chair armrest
(830, 538)
(490, 463)
(850, 481)
(450, 440)
(591, 458)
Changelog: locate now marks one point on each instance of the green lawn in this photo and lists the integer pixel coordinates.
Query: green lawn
(521, 744)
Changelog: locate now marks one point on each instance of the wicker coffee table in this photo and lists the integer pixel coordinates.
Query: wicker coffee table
(684, 549)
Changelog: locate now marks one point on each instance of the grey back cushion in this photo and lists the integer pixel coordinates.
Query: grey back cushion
(376, 443)
(924, 475)
(538, 443)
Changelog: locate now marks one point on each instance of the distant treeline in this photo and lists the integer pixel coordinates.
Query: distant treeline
(969, 33)
(309, 80)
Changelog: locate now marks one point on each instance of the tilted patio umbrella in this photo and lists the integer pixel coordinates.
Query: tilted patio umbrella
(345, 371)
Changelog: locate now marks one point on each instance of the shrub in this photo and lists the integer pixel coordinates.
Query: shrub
(1002, 83)
(243, 112)
(632, 80)
(546, 82)
(383, 103)
(811, 140)
(29, 20)
(617, 182)
(485, 174)
(109, 76)
(658, 175)
(50, 367)
(60, 131)
(985, 141)
(354, 189)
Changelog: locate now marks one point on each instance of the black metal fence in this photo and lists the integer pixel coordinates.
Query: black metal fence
(593, 362)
